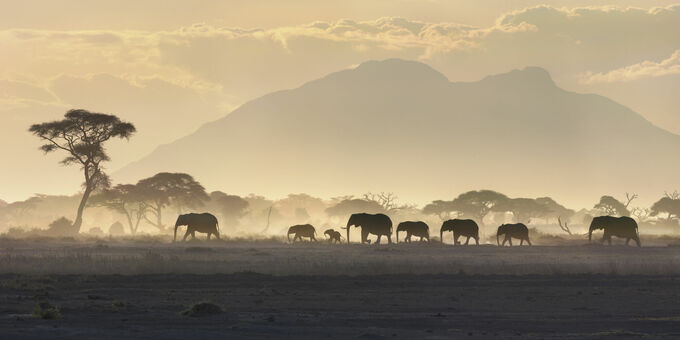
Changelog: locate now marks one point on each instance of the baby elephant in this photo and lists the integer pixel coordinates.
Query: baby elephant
(420, 229)
(517, 230)
(302, 230)
(334, 236)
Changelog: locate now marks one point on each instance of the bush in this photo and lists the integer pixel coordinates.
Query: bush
(116, 229)
(203, 309)
(61, 227)
(46, 311)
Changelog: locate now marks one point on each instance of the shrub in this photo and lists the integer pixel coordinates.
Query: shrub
(46, 311)
(203, 309)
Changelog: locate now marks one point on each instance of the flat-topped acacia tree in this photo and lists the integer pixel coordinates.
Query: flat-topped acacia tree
(82, 134)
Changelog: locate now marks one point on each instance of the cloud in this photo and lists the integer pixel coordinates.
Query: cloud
(645, 69)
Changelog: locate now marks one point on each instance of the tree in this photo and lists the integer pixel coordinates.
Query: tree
(554, 209)
(611, 206)
(232, 207)
(669, 204)
(356, 205)
(443, 209)
(388, 200)
(124, 199)
(523, 209)
(82, 134)
(477, 204)
(164, 189)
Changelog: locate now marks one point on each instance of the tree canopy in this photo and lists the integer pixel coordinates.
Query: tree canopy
(611, 206)
(164, 189)
(351, 206)
(81, 135)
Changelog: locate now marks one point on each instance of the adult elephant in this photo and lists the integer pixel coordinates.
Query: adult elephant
(517, 230)
(624, 227)
(419, 228)
(467, 228)
(376, 224)
(302, 230)
(202, 223)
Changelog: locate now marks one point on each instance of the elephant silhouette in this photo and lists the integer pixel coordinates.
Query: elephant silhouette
(376, 224)
(623, 227)
(467, 228)
(302, 230)
(517, 230)
(333, 236)
(419, 228)
(202, 223)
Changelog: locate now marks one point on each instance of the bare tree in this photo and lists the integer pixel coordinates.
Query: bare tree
(630, 198)
(82, 134)
(388, 200)
(565, 226)
(642, 214)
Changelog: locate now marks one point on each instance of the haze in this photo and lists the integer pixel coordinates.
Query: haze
(171, 67)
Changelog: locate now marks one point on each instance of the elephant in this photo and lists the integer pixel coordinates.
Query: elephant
(615, 226)
(468, 228)
(420, 229)
(302, 230)
(203, 223)
(334, 236)
(517, 230)
(376, 224)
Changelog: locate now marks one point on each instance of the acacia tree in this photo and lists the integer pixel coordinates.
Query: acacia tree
(231, 207)
(669, 204)
(611, 206)
(164, 189)
(124, 199)
(477, 204)
(443, 209)
(522, 209)
(82, 134)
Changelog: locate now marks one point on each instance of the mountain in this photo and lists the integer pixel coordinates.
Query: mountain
(401, 126)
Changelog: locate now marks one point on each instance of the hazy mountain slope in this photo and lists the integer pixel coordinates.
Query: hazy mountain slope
(401, 126)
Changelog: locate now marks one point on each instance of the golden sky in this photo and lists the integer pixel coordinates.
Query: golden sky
(170, 66)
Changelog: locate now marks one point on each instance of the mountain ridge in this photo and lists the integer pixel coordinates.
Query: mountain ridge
(407, 113)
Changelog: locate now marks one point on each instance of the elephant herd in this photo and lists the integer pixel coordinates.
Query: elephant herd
(381, 225)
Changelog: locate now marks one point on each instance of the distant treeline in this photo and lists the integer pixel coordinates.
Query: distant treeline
(152, 204)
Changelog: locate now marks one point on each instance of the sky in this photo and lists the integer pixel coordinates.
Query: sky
(171, 66)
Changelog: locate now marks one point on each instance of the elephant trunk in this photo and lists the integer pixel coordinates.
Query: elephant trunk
(174, 239)
(441, 235)
(498, 243)
(289, 232)
(348, 225)
(397, 235)
(590, 231)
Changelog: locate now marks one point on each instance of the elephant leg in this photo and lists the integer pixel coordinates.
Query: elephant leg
(637, 241)
(627, 240)
(217, 234)
(193, 235)
(389, 238)
(455, 239)
(467, 240)
(521, 242)
(313, 238)
(609, 239)
(364, 236)
(377, 241)
(510, 241)
(529, 242)
(186, 235)
(477, 240)
(209, 236)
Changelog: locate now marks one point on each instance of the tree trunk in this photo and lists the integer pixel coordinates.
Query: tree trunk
(81, 208)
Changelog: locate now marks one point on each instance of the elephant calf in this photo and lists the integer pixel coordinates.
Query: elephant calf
(302, 230)
(517, 230)
(468, 228)
(419, 228)
(334, 236)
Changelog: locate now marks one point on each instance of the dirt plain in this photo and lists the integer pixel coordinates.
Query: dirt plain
(268, 289)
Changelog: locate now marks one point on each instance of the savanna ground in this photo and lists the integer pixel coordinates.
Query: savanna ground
(115, 288)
